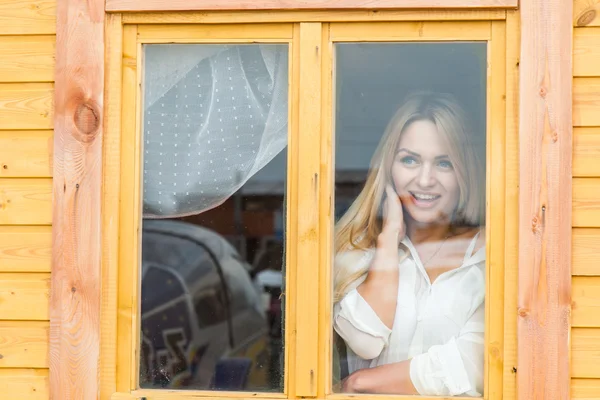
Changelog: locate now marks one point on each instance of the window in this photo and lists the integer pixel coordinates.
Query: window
(250, 143)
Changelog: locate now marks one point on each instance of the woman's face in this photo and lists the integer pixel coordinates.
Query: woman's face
(424, 176)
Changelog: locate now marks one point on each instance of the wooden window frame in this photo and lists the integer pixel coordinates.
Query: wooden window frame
(309, 234)
(85, 252)
(220, 5)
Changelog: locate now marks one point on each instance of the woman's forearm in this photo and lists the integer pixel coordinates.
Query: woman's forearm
(385, 379)
(380, 288)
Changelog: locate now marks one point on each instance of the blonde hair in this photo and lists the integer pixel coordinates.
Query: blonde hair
(359, 227)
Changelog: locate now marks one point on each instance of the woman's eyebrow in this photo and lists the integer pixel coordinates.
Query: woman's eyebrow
(412, 153)
(444, 157)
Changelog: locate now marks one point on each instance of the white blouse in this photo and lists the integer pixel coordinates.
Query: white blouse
(439, 326)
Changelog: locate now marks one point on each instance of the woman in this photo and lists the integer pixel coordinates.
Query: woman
(410, 290)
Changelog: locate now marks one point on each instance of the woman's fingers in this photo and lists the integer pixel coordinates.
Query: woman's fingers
(393, 220)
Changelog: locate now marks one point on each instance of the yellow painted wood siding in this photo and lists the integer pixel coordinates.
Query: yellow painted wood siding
(27, 48)
(585, 334)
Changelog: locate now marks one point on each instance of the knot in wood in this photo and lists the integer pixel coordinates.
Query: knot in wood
(554, 136)
(543, 92)
(523, 312)
(534, 224)
(87, 120)
(586, 17)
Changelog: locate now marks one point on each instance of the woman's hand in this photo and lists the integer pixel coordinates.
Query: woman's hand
(386, 379)
(380, 288)
(393, 231)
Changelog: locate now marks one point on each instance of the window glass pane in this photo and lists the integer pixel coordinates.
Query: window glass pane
(214, 192)
(410, 167)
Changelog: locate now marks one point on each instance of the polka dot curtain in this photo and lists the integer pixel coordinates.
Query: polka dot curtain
(214, 115)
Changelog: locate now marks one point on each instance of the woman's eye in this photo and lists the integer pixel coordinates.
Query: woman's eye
(445, 164)
(409, 161)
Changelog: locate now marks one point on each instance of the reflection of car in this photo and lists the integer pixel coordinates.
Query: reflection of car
(203, 322)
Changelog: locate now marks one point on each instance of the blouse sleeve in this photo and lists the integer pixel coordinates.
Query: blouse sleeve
(455, 367)
(354, 319)
(360, 327)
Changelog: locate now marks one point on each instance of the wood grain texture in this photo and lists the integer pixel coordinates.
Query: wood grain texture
(511, 229)
(586, 302)
(25, 248)
(24, 296)
(586, 202)
(545, 127)
(26, 154)
(76, 223)
(307, 263)
(24, 344)
(110, 205)
(24, 384)
(27, 58)
(230, 17)
(25, 201)
(411, 31)
(183, 5)
(585, 353)
(585, 389)
(586, 251)
(26, 105)
(586, 51)
(495, 211)
(27, 17)
(586, 13)
(586, 101)
(210, 32)
(586, 152)
(327, 205)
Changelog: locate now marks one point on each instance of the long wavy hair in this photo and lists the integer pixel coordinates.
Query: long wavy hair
(359, 227)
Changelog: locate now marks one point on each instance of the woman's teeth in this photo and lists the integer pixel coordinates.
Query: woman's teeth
(425, 197)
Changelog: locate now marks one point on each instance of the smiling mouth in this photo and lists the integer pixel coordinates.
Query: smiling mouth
(424, 200)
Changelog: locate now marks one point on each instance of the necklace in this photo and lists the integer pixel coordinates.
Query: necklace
(435, 252)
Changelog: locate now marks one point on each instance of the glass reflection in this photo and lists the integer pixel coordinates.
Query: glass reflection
(409, 278)
(213, 248)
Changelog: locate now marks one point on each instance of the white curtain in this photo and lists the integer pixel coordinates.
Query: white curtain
(214, 115)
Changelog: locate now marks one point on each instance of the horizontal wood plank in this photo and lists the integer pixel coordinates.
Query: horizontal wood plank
(586, 202)
(586, 301)
(586, 51)
(586, 151)
(24, 344)
(25, 248)
(214, 32)
(586, 13)
(24, 384)
(24, 296)
(27, 58)
(25, 201)
(432, 30)
(184, 5)
(585, 353)
(586, 101)
(26, 17)
(26, 106)
(242, 17)
(26, 154)
(586, 251)
(585, 389)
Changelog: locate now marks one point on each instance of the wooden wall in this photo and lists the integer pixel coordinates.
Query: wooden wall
(585, 335)
(27, 44)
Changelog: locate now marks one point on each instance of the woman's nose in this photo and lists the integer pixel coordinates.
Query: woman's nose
(426, 177)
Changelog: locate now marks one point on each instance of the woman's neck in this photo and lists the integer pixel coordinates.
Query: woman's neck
(419, 233)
